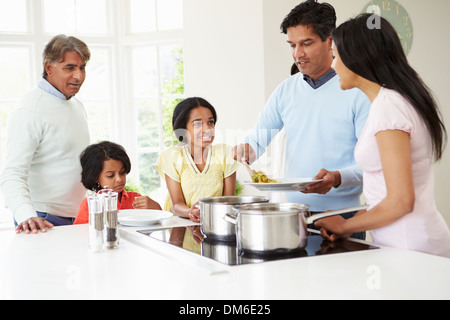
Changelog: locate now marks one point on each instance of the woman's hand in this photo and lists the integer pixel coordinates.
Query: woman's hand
(332, 228)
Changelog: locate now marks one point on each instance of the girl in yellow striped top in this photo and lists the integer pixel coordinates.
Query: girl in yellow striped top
(196, 169)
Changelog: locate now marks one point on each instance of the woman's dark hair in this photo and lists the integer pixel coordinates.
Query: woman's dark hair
(374, 52)
(92, 159)
(182, 112)
(321, 16)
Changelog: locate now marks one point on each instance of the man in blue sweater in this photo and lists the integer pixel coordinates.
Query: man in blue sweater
(322, 122)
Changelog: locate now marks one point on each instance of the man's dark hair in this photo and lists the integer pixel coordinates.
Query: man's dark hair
(321, 16)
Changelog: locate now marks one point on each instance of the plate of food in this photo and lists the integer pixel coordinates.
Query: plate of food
(283, 185)
(142, 217)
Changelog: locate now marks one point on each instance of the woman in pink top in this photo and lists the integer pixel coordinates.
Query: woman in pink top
(403, 132)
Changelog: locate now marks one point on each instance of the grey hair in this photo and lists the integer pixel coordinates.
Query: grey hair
(60, 44)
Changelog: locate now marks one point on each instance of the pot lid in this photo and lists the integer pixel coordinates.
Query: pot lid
(271, 208)
(234, 200)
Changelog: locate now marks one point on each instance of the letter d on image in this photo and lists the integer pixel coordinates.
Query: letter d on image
(374, 280)
(74, 277)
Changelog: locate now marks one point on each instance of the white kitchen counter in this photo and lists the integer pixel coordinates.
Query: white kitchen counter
(58, 265)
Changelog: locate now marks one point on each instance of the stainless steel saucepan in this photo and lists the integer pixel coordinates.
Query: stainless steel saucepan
(213, 210)
(268, 228)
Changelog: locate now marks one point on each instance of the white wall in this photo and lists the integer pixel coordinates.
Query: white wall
(235, 55)
(223, 46)
(430, 57)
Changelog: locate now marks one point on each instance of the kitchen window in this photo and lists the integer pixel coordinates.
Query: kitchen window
(134, 79)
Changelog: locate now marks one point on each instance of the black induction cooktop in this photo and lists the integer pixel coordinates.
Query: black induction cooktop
(191, 239)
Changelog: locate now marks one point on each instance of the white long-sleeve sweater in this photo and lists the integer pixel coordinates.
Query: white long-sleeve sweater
(42, 171)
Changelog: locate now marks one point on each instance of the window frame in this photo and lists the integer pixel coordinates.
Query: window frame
(119, 40)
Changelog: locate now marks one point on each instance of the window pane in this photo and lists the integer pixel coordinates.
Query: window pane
(97, 83)
(142, 16)
(91, 17)
(98, 114)
(148, 119)
(145, 75)
(15, 63)
(168, 105)
(170, 14)
(13, 16)
(172, 69)
(96, 94)
(5, 110)
(148, 175)
(59, 16)
(75, 16)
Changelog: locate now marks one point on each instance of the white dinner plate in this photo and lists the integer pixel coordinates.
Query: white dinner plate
(283, 185)
(142, 217)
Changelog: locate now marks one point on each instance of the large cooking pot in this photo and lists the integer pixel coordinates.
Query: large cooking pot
(272, 228)
(213, 210)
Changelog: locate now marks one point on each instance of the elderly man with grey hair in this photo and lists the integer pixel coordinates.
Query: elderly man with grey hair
(47, 131)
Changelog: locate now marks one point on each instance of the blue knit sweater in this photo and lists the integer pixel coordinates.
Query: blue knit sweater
(322, 128)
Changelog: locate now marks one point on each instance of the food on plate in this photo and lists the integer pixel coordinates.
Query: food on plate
(260, 177)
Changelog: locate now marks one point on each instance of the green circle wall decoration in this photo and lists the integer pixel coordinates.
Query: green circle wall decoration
(397, 15)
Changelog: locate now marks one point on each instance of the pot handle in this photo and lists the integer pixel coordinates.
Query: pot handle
(315, 217)
(229, 218)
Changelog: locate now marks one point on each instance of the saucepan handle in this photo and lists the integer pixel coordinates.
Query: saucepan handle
(229, 218)
(315, 217)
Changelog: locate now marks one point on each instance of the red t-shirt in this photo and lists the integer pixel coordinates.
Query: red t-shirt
(127, 203)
